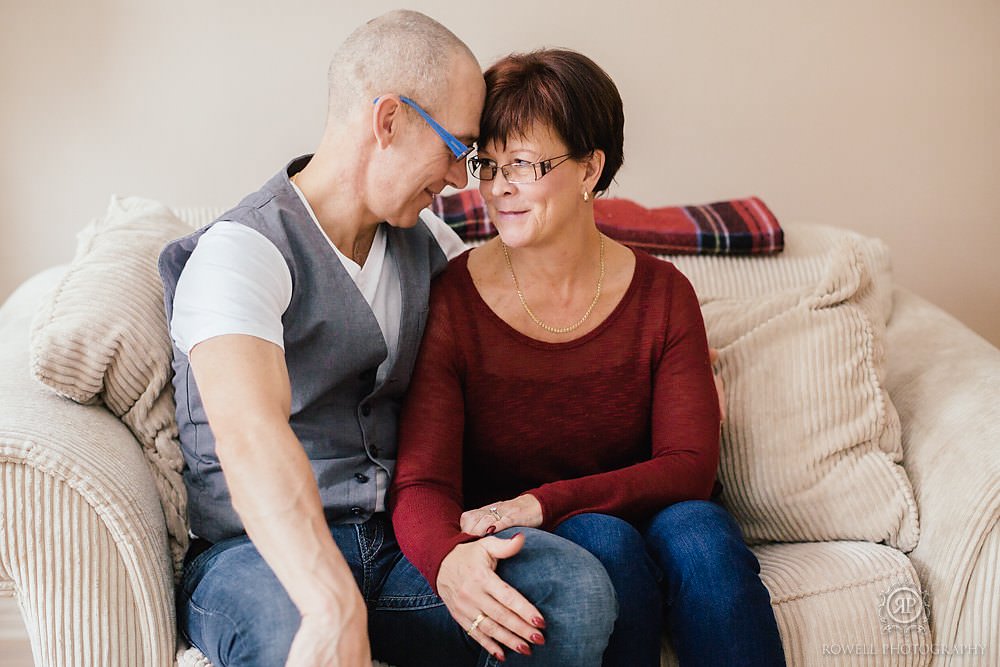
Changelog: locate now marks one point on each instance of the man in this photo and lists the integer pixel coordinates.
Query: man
(296, 318)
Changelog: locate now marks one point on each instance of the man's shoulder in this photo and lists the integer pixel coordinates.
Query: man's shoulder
(450, 243)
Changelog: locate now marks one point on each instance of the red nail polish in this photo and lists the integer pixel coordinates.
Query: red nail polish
(491, 530)
(538, 638)
(500, 656)
(514, 535)
(538, 622)
(523, 649)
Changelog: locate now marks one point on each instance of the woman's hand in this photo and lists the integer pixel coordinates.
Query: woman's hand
(521, 511)
(488, 609)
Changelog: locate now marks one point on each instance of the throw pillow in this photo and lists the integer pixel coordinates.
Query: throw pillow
(101, 335)
(811, 444)
(731, 227)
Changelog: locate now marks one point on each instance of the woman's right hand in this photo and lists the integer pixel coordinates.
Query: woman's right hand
(469, 585)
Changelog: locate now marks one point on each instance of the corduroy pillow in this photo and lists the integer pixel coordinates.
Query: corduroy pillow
(811, 443)
(101, 335)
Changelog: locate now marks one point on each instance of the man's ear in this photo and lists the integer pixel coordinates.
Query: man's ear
(386, 115)
(594, 167)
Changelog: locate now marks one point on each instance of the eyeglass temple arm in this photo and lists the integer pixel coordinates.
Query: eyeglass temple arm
(454, 145)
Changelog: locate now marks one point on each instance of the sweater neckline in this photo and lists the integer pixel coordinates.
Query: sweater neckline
(462, 263)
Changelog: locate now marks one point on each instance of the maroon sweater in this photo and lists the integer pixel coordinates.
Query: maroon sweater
(624, 420)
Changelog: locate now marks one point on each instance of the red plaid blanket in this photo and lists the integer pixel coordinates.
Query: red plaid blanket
(736, 227)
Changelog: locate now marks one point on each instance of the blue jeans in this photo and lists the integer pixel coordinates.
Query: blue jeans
(233, 608)
(690, 569)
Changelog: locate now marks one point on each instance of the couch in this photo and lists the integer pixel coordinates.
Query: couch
(881, 551)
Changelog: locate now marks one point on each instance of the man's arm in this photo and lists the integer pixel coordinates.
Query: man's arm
(245, 389)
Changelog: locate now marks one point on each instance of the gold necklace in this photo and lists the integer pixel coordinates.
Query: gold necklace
(551, 329)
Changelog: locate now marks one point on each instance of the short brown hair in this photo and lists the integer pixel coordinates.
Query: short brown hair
(563, 89)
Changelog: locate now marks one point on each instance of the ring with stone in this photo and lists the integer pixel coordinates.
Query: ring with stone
(493, 510)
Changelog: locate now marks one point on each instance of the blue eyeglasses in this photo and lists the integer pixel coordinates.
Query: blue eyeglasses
(453, 143)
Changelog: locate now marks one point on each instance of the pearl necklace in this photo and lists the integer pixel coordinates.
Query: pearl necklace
(551, 329)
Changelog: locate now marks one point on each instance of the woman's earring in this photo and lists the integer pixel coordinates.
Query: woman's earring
(586, 196)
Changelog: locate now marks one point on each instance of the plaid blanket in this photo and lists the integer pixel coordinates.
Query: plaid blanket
(733, 227)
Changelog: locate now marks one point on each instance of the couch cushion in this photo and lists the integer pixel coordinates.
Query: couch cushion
(844, 602)
(101, 335)
(811, 443)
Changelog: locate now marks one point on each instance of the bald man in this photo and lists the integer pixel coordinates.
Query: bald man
(296, 318)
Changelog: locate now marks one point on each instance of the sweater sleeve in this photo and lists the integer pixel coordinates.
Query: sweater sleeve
(426, 498)
(684, 424)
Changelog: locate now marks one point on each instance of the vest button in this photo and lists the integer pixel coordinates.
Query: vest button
(361, 478)
(366, 409)
(374, 450)
(356, 511)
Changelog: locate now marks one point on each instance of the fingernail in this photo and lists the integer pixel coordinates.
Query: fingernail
(491, 530)
(538, 638)
(514, 535)
(500, 656)
(538, 622)
(523, 649)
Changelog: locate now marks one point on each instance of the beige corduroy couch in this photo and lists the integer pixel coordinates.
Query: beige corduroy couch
(86, 550)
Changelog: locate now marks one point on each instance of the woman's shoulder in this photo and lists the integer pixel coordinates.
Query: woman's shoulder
(658, 270)
(454, 274)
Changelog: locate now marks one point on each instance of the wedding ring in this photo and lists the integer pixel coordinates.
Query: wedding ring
(495, 513)
(475, 623)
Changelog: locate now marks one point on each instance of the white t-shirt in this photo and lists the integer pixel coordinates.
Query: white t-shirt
(237, 282)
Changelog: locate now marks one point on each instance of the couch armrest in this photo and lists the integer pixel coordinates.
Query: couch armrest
(945, 382)
(83, 539)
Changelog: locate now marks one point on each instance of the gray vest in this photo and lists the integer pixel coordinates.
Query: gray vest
(333, 346)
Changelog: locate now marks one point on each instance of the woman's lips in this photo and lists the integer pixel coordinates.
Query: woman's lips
(509, 214)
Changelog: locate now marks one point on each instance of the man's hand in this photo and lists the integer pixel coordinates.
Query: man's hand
(325, 640)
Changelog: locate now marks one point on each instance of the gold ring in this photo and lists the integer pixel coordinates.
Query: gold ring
(475, 623)
(495, 513)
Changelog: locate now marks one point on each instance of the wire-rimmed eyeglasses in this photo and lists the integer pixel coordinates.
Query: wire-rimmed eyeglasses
(454, 144)
(517, 171)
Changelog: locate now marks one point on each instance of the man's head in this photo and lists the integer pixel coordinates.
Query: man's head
(405, 159)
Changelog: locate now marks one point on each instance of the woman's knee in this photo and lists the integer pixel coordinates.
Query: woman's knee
(570, 587)
(615, 542)
(699, 547)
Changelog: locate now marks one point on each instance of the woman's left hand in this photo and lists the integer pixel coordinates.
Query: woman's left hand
(521, 511)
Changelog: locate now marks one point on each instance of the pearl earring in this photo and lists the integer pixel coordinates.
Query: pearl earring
(586, 196)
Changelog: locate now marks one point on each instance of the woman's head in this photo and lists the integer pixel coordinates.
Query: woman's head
(559, 91)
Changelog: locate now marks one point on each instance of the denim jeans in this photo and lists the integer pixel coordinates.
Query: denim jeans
(233, 608)
(688, 567)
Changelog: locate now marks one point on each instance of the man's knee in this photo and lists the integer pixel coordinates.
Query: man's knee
(234, 609)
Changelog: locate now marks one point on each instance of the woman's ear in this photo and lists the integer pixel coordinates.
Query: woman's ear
(594, 168)
(386, 114)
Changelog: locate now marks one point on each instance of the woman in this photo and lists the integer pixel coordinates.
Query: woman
(564, 385)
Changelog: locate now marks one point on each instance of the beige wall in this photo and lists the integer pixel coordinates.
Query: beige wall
(882, 116)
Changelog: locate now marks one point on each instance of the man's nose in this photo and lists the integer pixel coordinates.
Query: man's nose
(458, 174)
